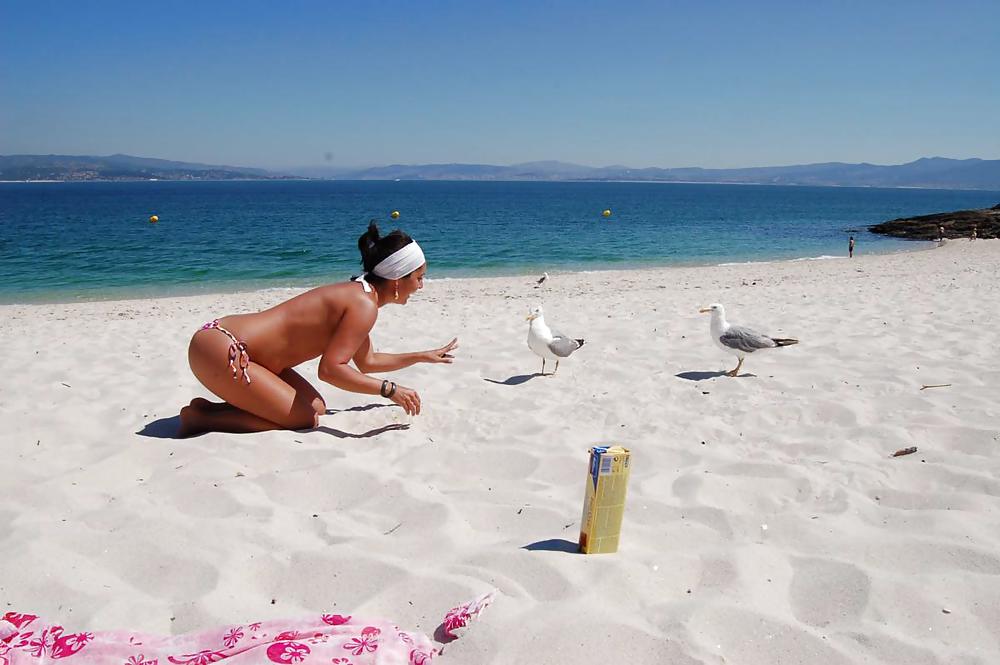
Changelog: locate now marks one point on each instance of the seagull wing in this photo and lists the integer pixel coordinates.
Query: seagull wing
(562, 346)
(743, 339)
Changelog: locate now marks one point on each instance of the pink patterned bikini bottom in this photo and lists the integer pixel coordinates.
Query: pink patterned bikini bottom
(239, 357)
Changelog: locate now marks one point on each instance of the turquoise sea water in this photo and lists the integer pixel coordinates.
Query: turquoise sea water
(69, 241)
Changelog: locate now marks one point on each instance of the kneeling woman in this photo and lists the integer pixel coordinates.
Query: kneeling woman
(247, 359)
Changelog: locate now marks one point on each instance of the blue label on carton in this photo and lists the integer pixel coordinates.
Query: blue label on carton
(595, 462)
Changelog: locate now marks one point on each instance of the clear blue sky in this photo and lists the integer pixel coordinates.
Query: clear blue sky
(669, 83)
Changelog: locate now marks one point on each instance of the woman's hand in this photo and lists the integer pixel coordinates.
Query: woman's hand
(442, 355)
(408, 399)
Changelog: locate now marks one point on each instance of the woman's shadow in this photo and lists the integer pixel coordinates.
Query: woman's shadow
(340, 434)
(164, 428)
(167, 428)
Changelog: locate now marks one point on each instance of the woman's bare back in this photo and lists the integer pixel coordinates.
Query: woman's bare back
(296, 330)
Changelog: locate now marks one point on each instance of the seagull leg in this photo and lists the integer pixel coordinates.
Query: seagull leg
(556, 369)
(543, 366)
(736, 372)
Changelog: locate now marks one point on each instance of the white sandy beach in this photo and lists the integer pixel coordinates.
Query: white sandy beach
(106, 522)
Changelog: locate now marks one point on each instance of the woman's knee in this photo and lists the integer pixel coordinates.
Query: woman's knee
(304, 415)
(300, 419)
(307, 409)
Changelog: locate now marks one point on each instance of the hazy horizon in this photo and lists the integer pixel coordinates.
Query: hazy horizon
(352, 167)
(609, 164)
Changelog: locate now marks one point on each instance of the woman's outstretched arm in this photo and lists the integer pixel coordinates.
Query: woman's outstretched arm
(334, 368)
(369, 361)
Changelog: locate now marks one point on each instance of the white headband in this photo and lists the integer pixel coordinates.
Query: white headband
(401, 262)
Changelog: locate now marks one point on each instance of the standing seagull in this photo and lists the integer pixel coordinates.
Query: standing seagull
(546, 343)
(738, 340)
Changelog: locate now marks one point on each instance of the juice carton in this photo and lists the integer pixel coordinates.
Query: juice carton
(604, 501)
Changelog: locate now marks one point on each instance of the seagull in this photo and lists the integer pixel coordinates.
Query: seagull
(546, 343)
(738, 340)
(541, 279)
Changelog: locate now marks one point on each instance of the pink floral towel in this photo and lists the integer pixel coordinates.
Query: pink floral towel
(331, 639)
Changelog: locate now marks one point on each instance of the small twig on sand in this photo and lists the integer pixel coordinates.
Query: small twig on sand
(904, 451)
(936, 385)
(392, 529)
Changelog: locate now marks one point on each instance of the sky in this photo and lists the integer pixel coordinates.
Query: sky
(669, 83)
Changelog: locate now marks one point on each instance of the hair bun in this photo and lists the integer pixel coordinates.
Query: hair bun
(371, 236)
(374, 247)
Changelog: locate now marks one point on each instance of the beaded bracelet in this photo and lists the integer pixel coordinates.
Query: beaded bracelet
(381, 391)
(392, 391)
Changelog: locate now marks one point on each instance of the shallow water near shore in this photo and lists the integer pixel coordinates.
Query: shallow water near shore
(84, 241)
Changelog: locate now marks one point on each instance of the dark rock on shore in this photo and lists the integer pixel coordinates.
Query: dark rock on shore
(958, 224)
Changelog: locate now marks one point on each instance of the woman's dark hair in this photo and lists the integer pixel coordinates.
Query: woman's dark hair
(374, 248)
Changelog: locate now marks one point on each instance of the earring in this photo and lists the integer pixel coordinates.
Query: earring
(397, 292)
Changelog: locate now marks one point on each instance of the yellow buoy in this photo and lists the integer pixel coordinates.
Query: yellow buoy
(394, 214)
(153, 219)
(606, 213)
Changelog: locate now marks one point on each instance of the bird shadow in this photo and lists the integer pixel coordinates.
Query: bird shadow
(340, 434)
(366, 407)
(554, 545)
(164, 428)
(701, 376)
(515, 380)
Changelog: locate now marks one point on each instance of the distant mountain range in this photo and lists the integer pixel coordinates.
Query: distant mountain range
(930, 172)
(118, 167)
(926, 172)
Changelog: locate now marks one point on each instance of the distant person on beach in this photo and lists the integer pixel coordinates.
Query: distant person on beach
(247, 359)
(940, 233)
(850, 247)
(972, 236)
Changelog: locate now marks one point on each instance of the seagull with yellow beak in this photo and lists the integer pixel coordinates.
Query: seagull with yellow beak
(739, 340)
(546, 343)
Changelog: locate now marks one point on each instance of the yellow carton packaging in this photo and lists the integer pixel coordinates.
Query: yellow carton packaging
(604, 501)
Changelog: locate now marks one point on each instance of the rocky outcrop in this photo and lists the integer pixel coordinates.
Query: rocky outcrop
(958, 224)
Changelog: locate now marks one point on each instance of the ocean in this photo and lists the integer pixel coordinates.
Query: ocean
(92, 240)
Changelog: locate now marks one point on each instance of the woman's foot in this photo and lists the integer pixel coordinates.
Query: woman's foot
(202, 416)
(193, 416)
